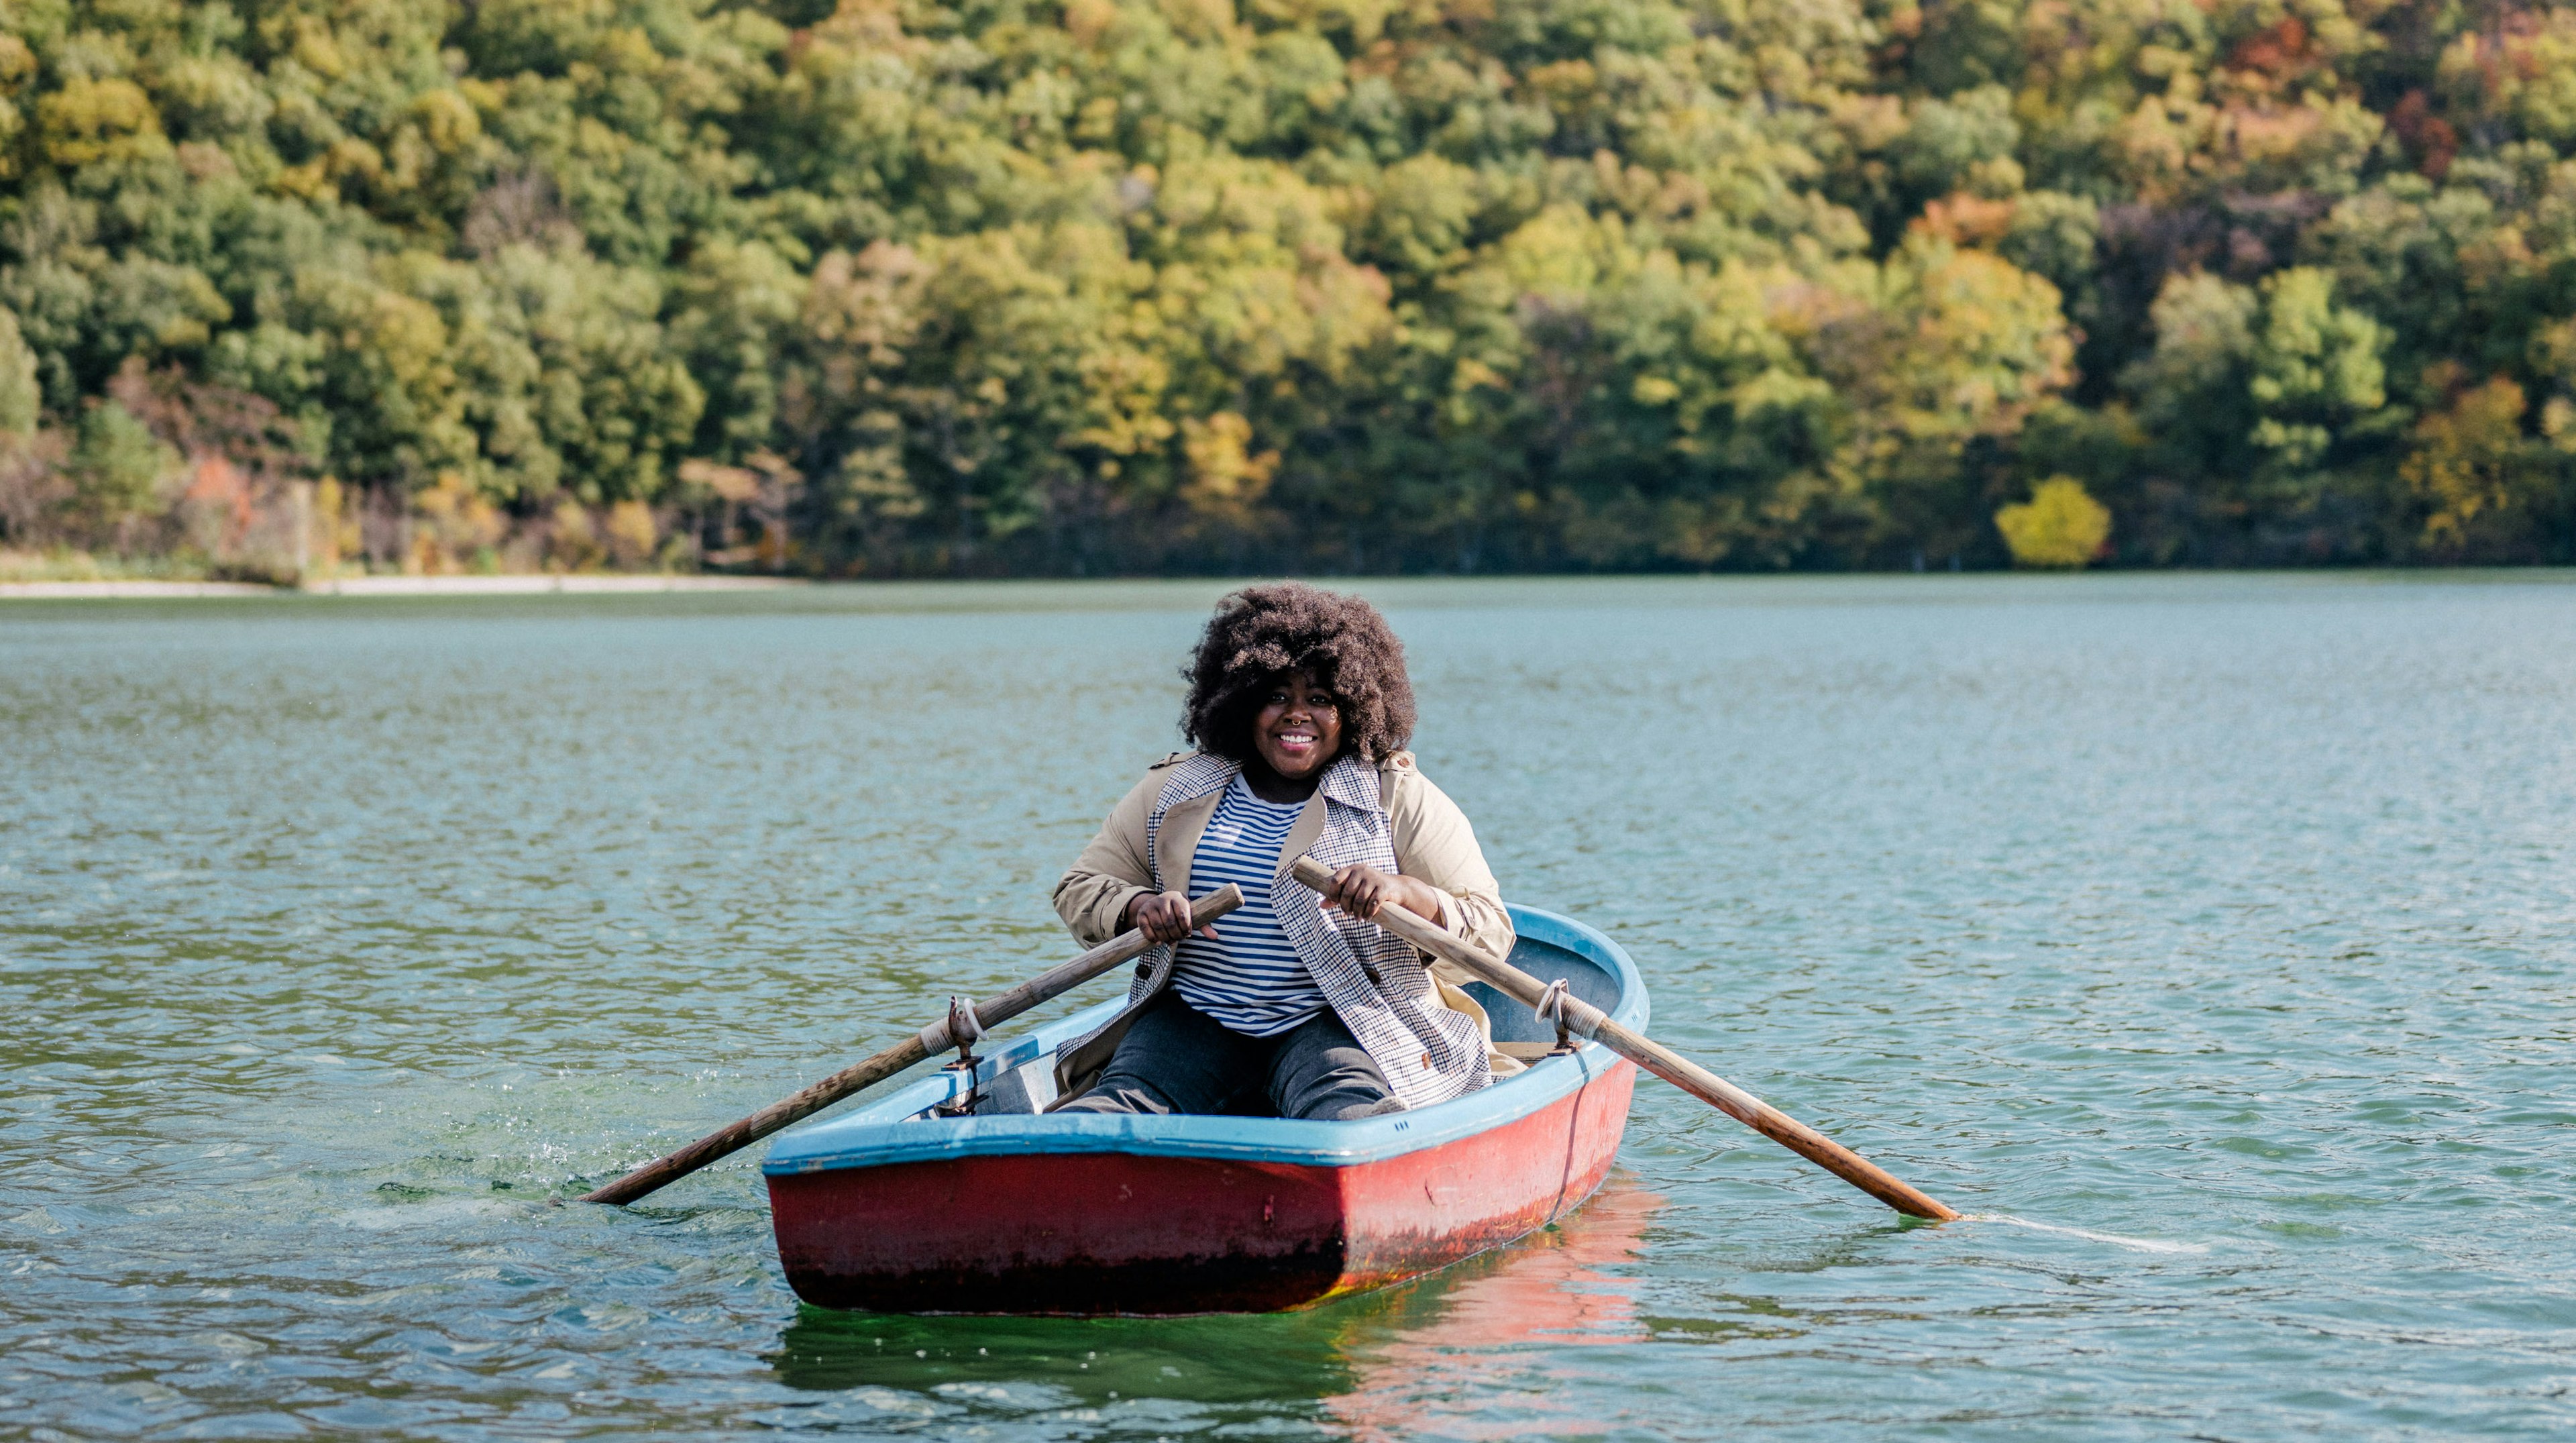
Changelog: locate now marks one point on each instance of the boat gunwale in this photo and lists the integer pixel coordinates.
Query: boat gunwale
(888, 1130)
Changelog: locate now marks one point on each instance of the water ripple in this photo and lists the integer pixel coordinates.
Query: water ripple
(2206, 938)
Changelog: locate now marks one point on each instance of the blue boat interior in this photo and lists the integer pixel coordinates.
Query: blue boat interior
(1000, 1108)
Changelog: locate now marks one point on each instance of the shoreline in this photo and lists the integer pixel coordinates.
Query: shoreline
(907, 593)
(537, 585)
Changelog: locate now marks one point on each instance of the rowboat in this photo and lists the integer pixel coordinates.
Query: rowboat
(959, 1194)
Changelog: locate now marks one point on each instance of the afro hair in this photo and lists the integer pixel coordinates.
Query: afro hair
(1262, 632)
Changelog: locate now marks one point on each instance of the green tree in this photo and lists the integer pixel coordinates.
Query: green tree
(120, 472)
(21, 398)
(2315, 370)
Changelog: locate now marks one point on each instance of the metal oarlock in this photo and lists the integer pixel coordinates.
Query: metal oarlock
(964, 1026)
(1551, 1008)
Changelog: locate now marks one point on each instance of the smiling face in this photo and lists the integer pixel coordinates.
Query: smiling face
(1298, 730)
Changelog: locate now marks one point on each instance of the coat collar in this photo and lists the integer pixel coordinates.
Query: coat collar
(1348, 781)
(1351, 782)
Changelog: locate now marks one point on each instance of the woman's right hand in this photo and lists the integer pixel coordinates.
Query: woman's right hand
(1163, 917)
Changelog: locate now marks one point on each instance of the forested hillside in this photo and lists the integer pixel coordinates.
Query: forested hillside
(984, 287)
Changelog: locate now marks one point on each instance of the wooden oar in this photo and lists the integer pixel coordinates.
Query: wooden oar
(935, 1038)
(1586, 1020)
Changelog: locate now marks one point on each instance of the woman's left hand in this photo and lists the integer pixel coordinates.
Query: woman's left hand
(1359, 890)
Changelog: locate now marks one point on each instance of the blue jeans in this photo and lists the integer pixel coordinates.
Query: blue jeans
(1177, 1059)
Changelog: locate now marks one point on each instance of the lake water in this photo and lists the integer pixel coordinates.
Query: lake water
(2221, 930)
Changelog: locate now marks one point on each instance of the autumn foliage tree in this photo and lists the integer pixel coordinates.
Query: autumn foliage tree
(996, 286)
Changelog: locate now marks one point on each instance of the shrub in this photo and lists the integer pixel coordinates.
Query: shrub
(2060, 526)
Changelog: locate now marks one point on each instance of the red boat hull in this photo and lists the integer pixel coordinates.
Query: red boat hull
(1084, 1233)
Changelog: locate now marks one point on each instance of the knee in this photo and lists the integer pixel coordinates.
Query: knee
(1344, 1094)
(1113, 1098)
(1350, 1110)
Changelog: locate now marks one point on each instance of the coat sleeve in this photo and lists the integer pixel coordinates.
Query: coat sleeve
(1435, 843)
(1095, 890)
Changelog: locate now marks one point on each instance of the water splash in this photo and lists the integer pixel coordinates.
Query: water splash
(2141, 1245)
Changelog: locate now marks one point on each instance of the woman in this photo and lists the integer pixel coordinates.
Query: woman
(1300, 708)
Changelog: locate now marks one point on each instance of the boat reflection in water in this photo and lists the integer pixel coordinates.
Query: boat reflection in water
(1385, 1365)
(1504, 1324)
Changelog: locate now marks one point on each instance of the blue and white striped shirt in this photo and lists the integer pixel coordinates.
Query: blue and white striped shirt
(1250, 978)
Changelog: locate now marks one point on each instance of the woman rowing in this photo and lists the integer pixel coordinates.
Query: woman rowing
(1300, 709)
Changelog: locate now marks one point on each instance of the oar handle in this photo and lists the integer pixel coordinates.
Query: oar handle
(1586, 1020)
(937, 1037)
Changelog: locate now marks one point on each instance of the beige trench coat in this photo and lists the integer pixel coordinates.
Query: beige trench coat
(1433, 842)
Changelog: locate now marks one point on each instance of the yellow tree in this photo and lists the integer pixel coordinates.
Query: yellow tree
(2482, 480)
(2061, 526)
